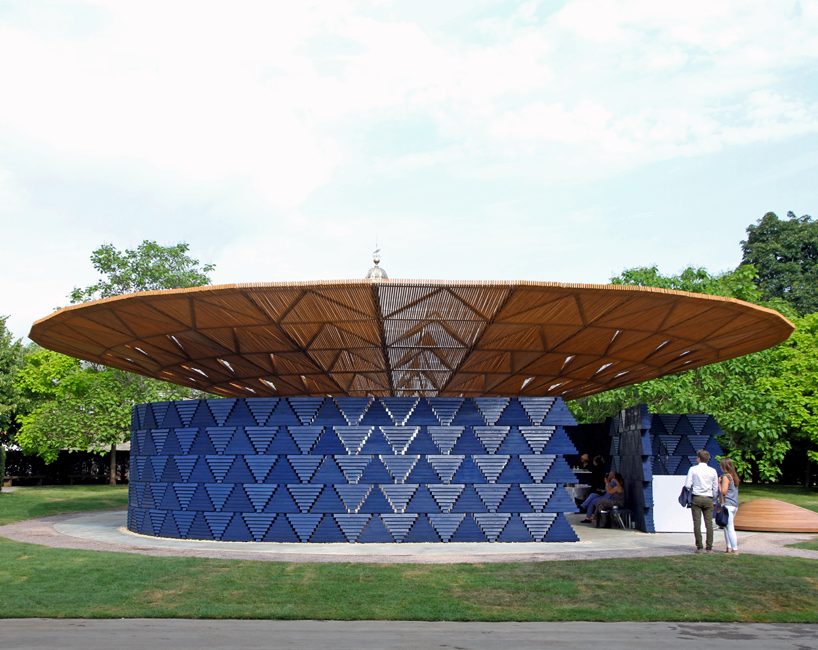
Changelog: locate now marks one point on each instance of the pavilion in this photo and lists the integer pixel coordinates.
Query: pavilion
(380, 409)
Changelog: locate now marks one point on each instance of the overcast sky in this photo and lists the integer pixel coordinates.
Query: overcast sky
(475, 139)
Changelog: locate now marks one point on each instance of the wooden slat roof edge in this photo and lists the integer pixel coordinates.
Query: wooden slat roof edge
(512, 284)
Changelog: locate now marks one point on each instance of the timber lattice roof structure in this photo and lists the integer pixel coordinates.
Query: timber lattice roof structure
(410, 337)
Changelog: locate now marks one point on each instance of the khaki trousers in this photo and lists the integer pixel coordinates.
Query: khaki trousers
(702, 506)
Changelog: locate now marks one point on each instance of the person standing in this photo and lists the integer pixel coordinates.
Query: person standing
(702, 480)
(728, 495)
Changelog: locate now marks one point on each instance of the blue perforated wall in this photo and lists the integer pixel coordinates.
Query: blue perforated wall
(312, 469)
(644, 444)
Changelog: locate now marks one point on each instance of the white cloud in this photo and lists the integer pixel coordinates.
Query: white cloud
(244, 128)
(12, 197)
(265, 93)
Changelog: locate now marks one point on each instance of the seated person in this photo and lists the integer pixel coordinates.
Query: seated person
(584, 462)
(596, 481)
(614, 496)
(599, 492)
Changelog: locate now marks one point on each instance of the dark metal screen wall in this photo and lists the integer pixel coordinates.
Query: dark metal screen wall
(348, 469)
(645, 444)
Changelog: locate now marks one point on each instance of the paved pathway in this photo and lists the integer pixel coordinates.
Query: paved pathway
(136, 634)
(105, 531)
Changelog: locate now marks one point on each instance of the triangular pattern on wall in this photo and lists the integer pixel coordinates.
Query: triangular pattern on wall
(445, 437)
(399, 466)
(353, 469)
(492, 494)
(399, 437)
(491, 437)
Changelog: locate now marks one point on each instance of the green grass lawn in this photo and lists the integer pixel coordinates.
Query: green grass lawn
(810, 545)
(32, 502)
(791, 493)
(45, 582)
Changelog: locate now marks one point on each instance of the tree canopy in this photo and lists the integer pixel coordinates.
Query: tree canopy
(148, 267)
(765, 402)
(732, 284)
(728, 390)
(785, 255)
(794, 383)
(11, 359)
(80, 406)
(76, 405)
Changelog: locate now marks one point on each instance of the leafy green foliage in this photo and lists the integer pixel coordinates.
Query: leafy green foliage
(739, 392)
(732, 284)
(76, 405)
(80, 406)
(11, 358)
(733, 391)
(795, 385)
(147, 268)
(785, 254)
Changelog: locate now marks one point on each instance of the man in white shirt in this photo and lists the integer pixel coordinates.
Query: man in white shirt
(703, 482)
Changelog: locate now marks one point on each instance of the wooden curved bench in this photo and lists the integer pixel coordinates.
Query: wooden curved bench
(774, 516)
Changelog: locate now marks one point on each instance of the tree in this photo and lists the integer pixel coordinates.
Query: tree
(83, 406)
(785, 254)
(71, 410)
(147, 268)
(795, 385)
(736, 392)
(11, 359)
(732, 284)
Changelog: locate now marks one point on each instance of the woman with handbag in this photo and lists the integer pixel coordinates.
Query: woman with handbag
(728, 497)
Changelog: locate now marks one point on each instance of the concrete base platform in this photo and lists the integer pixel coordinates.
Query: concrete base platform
(105, 531)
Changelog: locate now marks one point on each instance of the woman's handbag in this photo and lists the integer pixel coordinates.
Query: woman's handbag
(721, 515)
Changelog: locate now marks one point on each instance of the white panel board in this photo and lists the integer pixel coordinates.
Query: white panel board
(668, 515)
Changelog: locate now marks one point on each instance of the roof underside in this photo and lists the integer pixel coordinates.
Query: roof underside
(398, 337)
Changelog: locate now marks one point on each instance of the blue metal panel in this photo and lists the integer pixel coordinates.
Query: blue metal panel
(422, 531)
(237, 530)
(328, 531)
(281, 530)
(261, 408)
(375, 531)
(667, 444)
(354, 469)
(351, 525)
(515, 531)
(257, 524)
(469, 531)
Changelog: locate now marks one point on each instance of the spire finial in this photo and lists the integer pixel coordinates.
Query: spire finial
(376, 272)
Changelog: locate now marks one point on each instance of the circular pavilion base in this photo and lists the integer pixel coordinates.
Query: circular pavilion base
(105, 531)
(350, 469)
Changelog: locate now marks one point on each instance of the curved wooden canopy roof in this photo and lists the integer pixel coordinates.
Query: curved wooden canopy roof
(410, 337)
